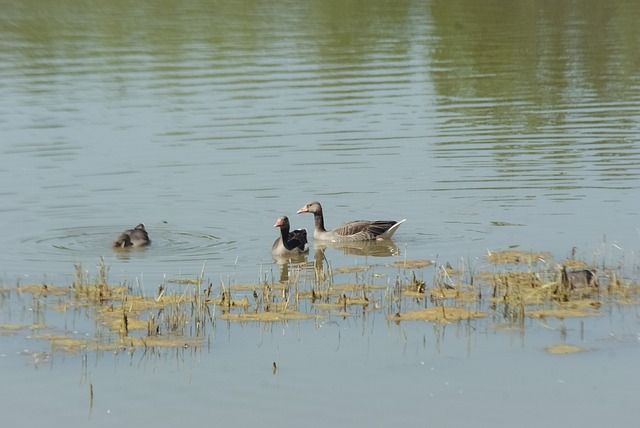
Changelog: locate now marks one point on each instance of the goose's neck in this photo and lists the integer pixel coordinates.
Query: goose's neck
(319, 220)
(284, 232)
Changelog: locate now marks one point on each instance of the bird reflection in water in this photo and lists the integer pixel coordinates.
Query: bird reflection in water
(297, 263)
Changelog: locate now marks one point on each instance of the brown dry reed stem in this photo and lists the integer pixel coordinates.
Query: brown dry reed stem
(200, 303)
(103, 270)
(322, 276)
(513, 304)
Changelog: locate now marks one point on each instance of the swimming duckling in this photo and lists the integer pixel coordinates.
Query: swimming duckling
(136, 237)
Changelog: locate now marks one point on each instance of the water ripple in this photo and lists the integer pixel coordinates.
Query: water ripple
(167, 245)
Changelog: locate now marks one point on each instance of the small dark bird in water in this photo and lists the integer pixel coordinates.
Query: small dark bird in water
(289, 243)
(136, 237)
(579, 278)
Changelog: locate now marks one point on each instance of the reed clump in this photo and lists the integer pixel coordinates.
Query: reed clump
(509, 287)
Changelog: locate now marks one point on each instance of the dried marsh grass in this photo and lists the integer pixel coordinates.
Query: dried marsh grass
(514, 286)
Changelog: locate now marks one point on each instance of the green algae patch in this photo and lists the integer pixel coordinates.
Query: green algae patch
(249, 287)
(226, 302)
(575, 264)
(573, 309)
(410, 264)
(586, 304)
(345, 314)
(185, 281)
(17, 327)
(143, 303)
(328, 306)
(352, 269)
(310, 294)
(516, 257)
(100, 292)
(413, 294)
(74, 345)
(461, 294)
(267, 317)
(574, 312)
(132, 306)
(348, 288)
(441, 314)
(124, 325)
(161, 342)
(513, 279)
(44, 290)
(527, 298)
(564, 349)
(353, 301)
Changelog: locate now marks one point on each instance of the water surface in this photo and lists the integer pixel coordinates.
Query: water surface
(486, 126)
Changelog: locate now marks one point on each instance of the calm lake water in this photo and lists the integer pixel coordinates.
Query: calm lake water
(487, 125)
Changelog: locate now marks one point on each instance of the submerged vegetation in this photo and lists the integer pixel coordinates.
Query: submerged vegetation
(507, 289)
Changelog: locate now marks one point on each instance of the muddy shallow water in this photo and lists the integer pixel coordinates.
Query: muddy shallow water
(501, 127)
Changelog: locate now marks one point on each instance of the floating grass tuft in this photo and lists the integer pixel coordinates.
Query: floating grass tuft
(439, 314)
(564, 349)
(514, 286)
(516, 257)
